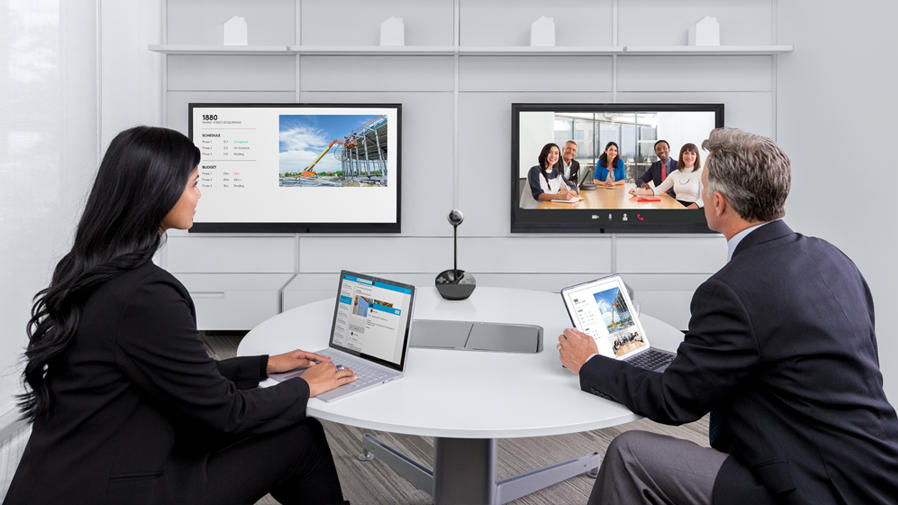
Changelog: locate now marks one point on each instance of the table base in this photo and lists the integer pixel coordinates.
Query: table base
(465, 471)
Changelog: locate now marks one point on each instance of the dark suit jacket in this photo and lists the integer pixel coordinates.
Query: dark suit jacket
(781, 343)
(138, 405)
(654, 174)
(575, 171)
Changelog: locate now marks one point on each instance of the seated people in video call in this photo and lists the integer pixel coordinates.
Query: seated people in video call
(781, 350)
(659, 170)
(569, 166)
(610, 158)
(546, 180)
(686, 180)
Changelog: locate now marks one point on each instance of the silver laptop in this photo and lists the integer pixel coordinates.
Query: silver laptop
(602, 309)
(369, 333)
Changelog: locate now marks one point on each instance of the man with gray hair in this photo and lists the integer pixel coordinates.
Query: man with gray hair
(780, 350)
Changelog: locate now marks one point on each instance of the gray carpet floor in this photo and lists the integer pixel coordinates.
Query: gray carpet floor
(374, 483)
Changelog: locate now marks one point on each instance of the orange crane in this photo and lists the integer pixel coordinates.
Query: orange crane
(308, 171)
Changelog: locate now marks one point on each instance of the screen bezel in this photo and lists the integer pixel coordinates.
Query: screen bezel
(610, 280)
(306, 227)
(408, 327)
(602, 220)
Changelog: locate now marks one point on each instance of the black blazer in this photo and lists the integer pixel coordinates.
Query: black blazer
(138, 404)
(781, 343)
(575, 171)
(654, 174)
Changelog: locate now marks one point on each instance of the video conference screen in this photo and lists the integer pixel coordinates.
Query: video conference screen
(609, 167)
(297, 167)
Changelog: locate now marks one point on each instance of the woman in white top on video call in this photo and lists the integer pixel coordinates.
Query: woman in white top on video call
(686, 179)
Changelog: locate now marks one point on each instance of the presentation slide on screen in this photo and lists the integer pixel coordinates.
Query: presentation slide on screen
(296, 164)
(372, 318)
(604, 314)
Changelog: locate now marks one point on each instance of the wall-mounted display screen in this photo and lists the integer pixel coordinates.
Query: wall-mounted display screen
(297, 167)
(609, 167)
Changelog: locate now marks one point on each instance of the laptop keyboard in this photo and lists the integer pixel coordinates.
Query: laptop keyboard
(366, 373)
(652, 360)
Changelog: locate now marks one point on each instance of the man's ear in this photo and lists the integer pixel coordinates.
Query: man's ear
(720, 203)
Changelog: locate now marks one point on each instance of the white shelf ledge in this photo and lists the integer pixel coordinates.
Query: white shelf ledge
(221, 50)
(540, 50)
(470, 50)
(707, 50)
(373, 50)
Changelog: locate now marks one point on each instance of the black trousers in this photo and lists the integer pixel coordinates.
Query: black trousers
(294, 465)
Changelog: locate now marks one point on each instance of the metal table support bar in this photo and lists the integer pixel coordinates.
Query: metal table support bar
(472, 461)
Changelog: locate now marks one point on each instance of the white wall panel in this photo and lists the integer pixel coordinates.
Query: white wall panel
(653, 22)
(530, 254)
(202, 254)
(376, 73)
(534, 73)
(231, 73)
(694, 73)
(374, 254)
(690, 254)
(426, 155)
(497, 24)
(268, 22)
(357, 22)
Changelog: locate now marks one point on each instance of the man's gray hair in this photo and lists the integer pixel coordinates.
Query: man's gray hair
(751, 171)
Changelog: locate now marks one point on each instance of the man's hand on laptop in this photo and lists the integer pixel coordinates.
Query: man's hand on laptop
(294, 359)
(574, 348)
(326, 376)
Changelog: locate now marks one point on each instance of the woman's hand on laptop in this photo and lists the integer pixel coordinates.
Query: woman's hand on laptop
(326, 376)
(293, 359)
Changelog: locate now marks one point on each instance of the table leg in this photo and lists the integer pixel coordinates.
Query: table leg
(464, 471)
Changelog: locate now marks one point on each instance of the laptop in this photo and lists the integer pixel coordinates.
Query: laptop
(369, 332)
(602, 309)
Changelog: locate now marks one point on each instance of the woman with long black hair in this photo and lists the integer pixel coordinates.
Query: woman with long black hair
(126, 405)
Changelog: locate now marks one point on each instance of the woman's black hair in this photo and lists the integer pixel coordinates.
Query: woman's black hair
(543, 156)
(698, 157)
(603, 159)
(141, 177)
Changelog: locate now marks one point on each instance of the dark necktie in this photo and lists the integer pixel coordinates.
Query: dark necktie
(713, 426)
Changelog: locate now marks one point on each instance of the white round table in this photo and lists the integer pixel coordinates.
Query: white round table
(466, 399)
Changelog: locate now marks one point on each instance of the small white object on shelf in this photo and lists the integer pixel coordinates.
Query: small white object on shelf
(706, 32)
(235, 32)
(542, 32)
(392, 32)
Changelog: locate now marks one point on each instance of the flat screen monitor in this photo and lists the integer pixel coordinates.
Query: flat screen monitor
(666, 200)
(297, 167)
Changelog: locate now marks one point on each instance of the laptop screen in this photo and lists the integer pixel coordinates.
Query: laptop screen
(603, 310)
(372, 318)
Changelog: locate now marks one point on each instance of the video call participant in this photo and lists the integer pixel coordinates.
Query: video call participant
(546, 180)
(616, 173)
(126, 405)
(781, 350)
(659, 170)
(686, 180)
(569, 166)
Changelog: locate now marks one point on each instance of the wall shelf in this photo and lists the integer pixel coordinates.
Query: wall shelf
(540, 50)
(707, 50)
(471, 50)
(218, 50)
